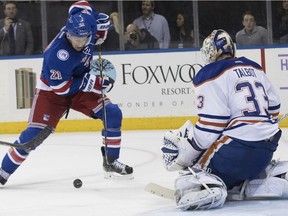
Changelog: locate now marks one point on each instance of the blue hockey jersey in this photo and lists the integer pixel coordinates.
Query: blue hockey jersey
(64, 67)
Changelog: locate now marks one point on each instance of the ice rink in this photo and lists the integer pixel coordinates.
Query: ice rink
(43, 185)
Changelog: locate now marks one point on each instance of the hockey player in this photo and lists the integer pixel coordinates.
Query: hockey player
(229, 151)
(65, 83)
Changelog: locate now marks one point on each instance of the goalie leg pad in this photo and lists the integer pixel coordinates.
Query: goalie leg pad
(277, 168)
(272, 183)
(197, 189)
(272, 187)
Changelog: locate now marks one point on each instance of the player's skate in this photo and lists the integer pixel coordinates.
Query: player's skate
(3, 177)
(115, 169)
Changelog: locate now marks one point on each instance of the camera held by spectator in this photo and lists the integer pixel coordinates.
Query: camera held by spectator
(133, 35)
(136, 38)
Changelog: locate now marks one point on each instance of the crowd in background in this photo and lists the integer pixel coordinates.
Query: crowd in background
(149, 24)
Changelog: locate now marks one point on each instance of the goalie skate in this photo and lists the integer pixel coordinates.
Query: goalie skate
(114, 169)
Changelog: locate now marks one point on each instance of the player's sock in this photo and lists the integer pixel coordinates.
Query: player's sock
(15, 157)
(11, 161)
(113, 141)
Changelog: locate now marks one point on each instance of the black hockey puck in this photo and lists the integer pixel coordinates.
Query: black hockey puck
(77, 183)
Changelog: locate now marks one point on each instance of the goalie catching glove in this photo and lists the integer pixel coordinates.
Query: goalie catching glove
(178, 151)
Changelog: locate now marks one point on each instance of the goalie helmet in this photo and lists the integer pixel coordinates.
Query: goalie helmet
(216, 44)
(78, 26)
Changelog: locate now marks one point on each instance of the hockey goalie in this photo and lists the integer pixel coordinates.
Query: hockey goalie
(228, 154)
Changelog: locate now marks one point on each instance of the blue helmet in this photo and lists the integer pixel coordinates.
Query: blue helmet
(77, 26)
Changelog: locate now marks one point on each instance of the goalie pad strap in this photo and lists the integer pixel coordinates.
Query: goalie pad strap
(197, 189)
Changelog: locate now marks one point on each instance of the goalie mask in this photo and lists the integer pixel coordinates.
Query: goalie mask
(216, 44)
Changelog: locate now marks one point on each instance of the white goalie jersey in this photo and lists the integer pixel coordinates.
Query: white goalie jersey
(235, 98)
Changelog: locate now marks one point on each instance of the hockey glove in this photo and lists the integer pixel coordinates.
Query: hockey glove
(103, 25)
(96, 84)
(178, 152)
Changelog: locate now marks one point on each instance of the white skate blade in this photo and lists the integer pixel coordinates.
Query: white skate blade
(117, 176)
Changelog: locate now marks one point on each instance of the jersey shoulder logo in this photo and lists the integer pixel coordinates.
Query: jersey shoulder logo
(63, 55)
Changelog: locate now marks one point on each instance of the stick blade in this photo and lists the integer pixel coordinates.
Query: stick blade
(159, 190)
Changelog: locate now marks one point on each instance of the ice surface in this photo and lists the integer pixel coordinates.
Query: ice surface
(43, 185)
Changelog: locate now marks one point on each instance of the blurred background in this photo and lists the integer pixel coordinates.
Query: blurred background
(47, 17)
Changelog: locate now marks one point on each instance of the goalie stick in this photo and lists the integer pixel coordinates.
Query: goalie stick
(282, 118)
(160, 191)
(37, 140)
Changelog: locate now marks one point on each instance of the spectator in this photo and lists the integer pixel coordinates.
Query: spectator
(112, 41)
(183, 36)
(283, 27)
(156, 24)
(15, 34)
(136, 38)
(251, 34)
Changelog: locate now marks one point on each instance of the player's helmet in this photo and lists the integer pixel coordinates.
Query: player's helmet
(216, 44)
(77, 26)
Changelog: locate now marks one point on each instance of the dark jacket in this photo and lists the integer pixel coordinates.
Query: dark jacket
(24, 43)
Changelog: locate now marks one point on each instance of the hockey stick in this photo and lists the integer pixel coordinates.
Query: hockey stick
(160, 191)
(37, 140)
(282, 118)
(103, 103)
